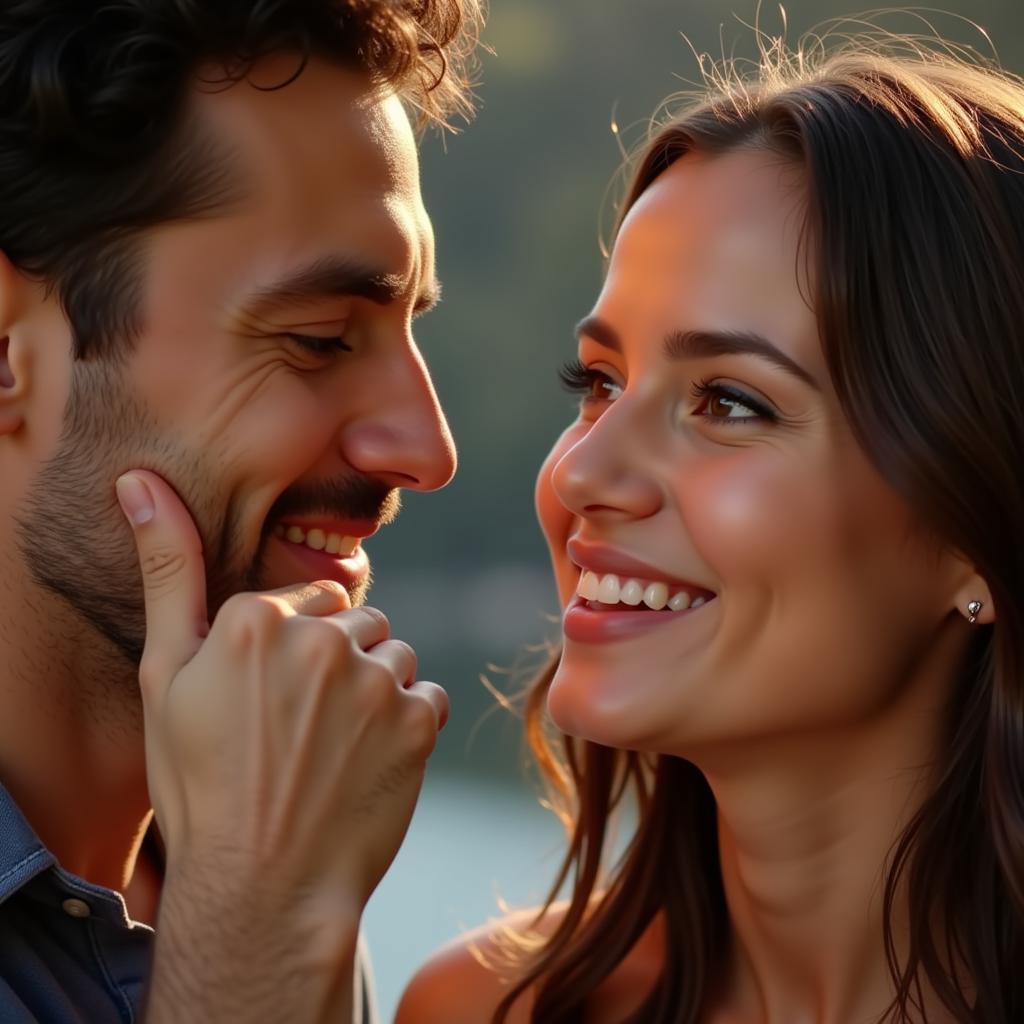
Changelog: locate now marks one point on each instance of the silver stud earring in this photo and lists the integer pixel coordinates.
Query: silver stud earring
(973, 607)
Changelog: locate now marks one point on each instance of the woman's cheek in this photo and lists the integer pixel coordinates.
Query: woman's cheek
(556, 521)
(744, 516)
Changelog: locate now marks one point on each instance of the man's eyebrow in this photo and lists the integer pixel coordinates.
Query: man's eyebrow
(703, 344)
(330, 277)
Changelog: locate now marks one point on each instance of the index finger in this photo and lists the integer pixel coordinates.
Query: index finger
(173, 574)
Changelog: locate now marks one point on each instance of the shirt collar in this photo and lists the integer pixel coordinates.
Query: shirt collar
(22, 854)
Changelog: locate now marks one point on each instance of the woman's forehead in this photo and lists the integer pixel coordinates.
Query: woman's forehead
(728, 209)
(716, 243)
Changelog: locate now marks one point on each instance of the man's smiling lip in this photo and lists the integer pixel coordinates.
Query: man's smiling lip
(361, 528)
(350, 571)
(601, 558)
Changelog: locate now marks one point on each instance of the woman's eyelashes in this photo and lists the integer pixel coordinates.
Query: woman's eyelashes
(715, 401)
(725, 402)
(319, 345)
(594, 385)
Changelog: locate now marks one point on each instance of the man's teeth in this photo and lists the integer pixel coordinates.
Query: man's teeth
(318, 540)
(612, 589)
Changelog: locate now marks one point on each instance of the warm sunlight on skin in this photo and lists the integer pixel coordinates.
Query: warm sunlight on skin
(237, 401)
(822, 596)
(809, 687)
(275, 413)
(237, 396)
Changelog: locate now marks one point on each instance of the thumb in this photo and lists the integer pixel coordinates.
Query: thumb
(173, 574)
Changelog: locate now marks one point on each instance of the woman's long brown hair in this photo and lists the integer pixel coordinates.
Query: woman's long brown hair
(914, 163)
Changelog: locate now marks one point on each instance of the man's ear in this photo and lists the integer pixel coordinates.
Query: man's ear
(15, 357)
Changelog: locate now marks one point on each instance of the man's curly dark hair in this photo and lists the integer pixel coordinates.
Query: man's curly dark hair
(95, 141)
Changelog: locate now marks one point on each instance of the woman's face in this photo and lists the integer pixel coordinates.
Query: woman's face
(711, 466)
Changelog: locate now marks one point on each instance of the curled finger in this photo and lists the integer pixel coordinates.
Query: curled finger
(319, 598)
(433, 695)
(366, 626)
(398, 657)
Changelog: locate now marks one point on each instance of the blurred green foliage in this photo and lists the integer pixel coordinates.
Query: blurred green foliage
(517, 200)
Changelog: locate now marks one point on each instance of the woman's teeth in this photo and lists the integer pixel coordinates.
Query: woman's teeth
(318, 540)
(611, 589)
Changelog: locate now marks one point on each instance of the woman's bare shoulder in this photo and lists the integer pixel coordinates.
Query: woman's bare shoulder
(463, 982)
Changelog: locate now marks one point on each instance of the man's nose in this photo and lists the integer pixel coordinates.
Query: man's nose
(400, 435)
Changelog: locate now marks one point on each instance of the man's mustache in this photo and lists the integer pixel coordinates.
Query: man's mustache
(351, 497)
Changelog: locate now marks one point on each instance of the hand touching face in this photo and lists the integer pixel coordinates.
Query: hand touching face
(275, 383)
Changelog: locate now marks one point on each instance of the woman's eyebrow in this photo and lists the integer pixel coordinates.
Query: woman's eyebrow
(598, 330)
(704, 344)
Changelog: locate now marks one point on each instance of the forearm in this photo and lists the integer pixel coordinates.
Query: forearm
(245, 959)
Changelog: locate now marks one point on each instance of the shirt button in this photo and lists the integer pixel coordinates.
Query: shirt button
(76, 908)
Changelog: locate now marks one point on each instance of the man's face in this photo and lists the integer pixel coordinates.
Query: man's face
(275, 384)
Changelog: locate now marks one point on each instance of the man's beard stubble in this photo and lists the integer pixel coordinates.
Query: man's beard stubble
(75, 542)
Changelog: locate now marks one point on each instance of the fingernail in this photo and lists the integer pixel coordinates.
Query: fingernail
(136, 499)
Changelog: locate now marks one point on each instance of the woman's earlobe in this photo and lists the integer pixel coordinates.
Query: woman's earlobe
(974, 602)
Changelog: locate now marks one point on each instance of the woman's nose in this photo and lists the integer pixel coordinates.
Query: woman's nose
(603, 475)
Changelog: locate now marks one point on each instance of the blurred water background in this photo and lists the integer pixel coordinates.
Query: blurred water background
(517, 200)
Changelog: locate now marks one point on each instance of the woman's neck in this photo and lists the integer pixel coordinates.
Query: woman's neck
(806, 830)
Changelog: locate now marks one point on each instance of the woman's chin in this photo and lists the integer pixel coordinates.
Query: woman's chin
(596, 706)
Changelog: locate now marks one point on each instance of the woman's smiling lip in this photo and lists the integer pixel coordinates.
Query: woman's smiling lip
(585, 624)
(601, 558)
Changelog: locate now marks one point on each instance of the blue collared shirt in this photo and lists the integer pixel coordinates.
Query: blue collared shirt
(69, 952)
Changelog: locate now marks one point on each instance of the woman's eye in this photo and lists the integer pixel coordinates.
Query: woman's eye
(592, 384)
(721, 402)
(319, 345)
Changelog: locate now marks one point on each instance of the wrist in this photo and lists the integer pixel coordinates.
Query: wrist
(323, 921)
(229, 954)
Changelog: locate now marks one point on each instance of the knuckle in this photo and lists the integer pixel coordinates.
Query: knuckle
(153, 671)
(377, 616)
(377, 693)
(409, 662)
(162, 568)
(319, 649)
(232, 608)
(330, 587)
(404, 649)
(395, 659)
(246, 617)
(384, 673)
(422, 727)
